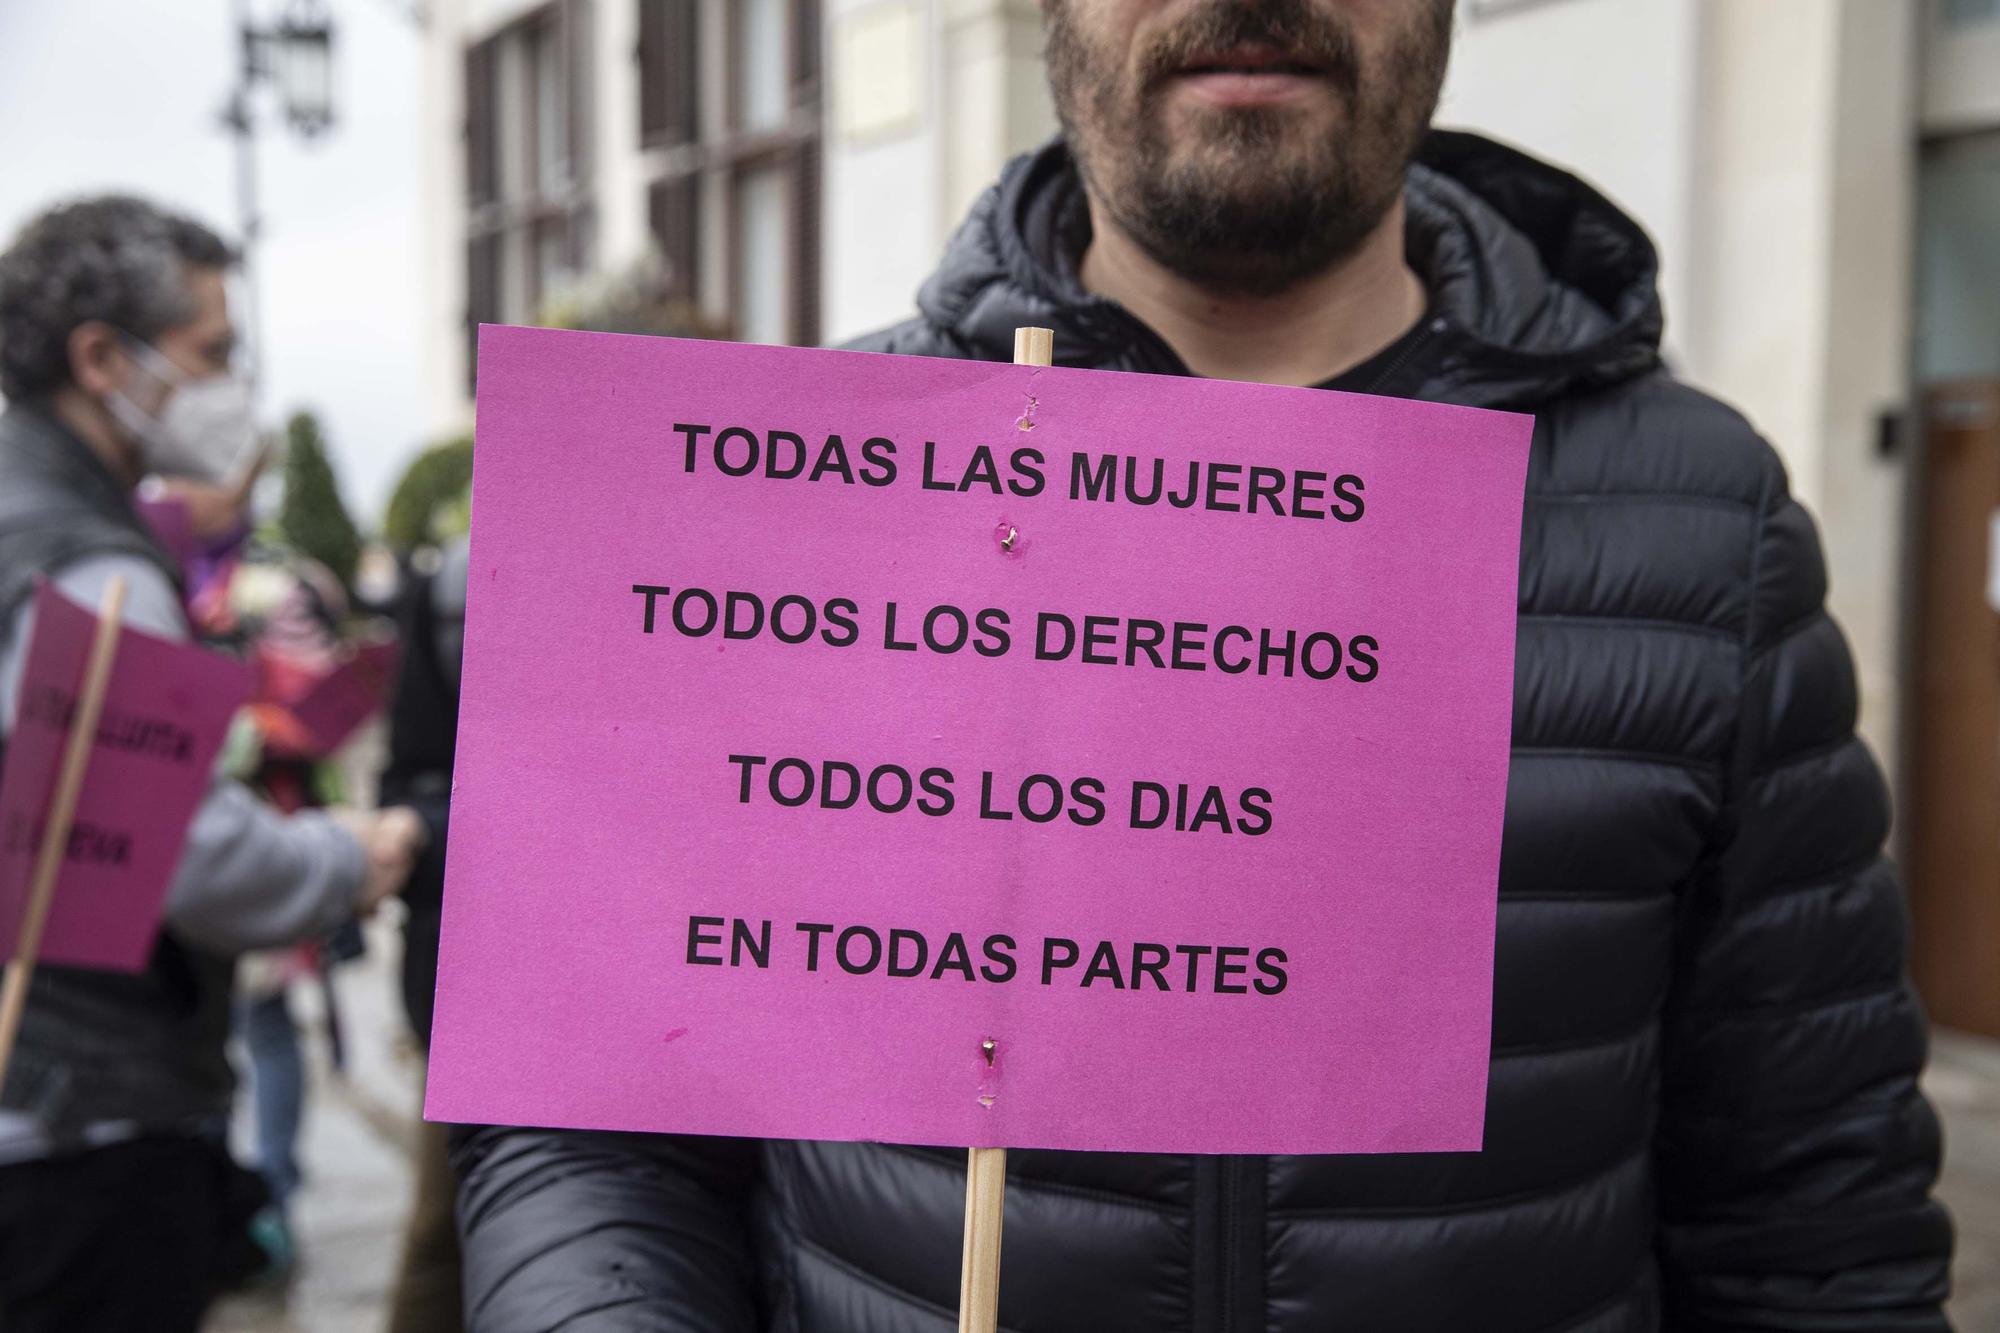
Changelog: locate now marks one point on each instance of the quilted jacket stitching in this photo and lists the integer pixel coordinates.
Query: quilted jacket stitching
(1592, 620)
(1583, 1181)
(1791, 631)
(1533, 751)
(1783, 766)
(1636, 1034)
(1817, 1004)
(1017, 1176)
(855, 1273)
(1663, 499)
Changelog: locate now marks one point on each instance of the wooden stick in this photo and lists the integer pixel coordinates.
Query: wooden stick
(1034, 347)
(986, 1168)
(985, 1205)
(62, 814)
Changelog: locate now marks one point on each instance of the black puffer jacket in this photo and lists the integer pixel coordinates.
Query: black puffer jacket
(1703, 1111)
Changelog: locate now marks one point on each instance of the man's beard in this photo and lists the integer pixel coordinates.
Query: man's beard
(1248, 200)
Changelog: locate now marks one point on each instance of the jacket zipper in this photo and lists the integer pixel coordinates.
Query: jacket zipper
(1227, 1293)
(1232, 1244)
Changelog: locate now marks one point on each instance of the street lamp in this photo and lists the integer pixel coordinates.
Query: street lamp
(295, 55)
(301, 52)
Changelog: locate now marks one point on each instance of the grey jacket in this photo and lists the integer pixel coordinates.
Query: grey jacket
(142, 1052)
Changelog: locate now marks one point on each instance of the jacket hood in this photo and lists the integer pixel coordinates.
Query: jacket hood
(1542, 285)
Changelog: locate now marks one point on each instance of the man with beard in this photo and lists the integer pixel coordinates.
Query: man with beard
(1703, 1111)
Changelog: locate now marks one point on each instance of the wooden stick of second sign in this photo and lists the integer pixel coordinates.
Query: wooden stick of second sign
(62, 814)
(986, 1168)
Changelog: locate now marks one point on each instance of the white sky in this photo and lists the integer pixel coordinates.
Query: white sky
(124, 94)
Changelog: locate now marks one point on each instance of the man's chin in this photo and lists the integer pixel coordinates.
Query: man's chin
(1250, 138)
(1245, 179)
(1246, 222)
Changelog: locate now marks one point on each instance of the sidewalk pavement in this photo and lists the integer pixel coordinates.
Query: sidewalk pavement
(1964, 1084)
(349, 1215)
(355, 1151)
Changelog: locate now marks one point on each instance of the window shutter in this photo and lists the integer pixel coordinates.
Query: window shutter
(651, 57)
(482, 183)
(482, 296)
(683, 62)
(578, 101)
(672, 210)
(669, 34)
(806, 168)
(805, 275)
(805, 47)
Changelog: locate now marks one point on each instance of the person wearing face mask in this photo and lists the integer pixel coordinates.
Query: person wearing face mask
(115, 362)
(204, 424)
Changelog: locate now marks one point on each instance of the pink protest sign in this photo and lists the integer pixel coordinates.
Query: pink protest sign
(166, 712)
(352, 693)
(316, 711)
(828, 715)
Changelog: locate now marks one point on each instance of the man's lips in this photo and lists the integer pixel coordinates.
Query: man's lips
(1248, 76)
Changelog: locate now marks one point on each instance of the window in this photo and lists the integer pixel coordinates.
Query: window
(729, 113)
(528, 225)
(673, 220)
(669, 46)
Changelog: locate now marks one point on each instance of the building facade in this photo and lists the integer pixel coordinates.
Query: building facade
(791, 167)
(1823, 177)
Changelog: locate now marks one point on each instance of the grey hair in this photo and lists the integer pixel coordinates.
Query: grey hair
(113, 258)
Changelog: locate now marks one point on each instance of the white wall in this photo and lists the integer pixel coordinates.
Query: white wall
(996, 101)
(882, 206)
(447, 408)
(623, 230)
(1869, 212)
(1602, 87)
(894, 197)
(1760, 244)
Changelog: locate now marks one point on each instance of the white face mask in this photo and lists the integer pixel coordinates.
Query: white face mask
(206, 427)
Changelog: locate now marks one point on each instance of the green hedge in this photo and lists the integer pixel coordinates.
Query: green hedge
(431, 501)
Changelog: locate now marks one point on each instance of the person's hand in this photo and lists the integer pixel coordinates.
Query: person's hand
(392, 839)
